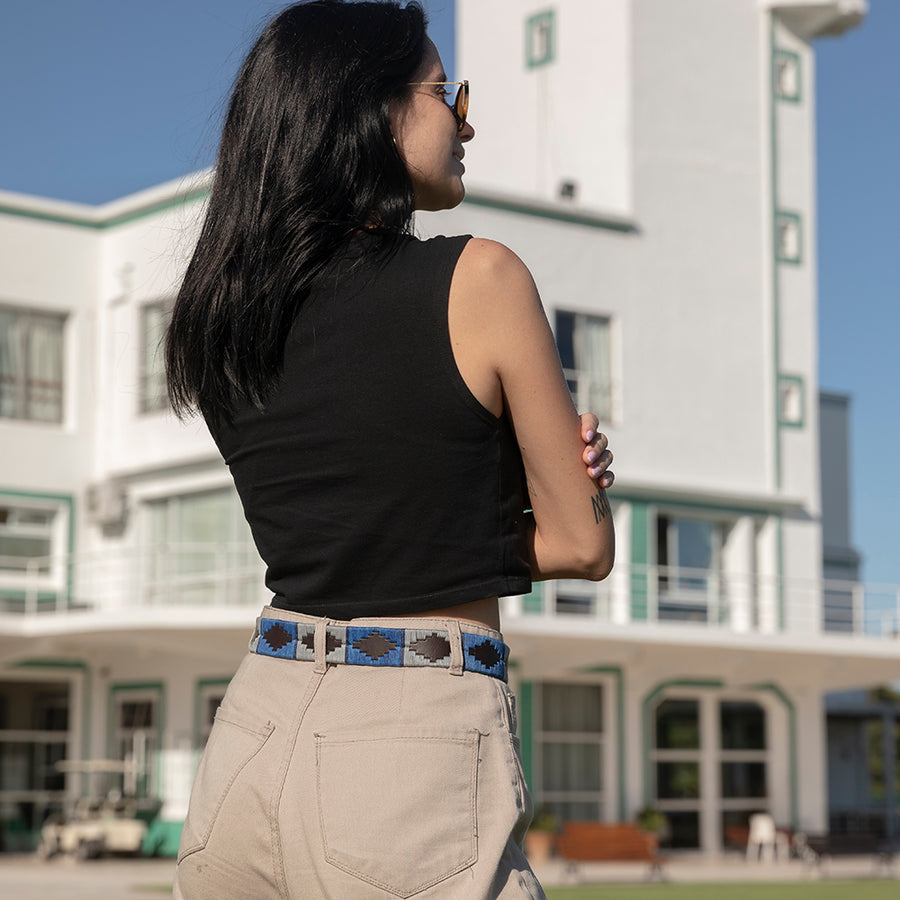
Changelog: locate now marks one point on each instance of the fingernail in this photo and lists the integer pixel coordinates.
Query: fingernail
(590, 435)
(594, 471)
(592, 455)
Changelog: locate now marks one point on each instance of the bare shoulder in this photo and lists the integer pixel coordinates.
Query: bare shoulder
(489, 269)
(485, 259)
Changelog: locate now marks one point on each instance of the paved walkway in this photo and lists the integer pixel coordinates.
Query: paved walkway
(28, 878)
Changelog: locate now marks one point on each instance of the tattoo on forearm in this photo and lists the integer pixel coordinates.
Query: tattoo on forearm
(601, 506)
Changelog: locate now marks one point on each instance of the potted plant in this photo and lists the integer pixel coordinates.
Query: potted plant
(654, 822)
(540, 839)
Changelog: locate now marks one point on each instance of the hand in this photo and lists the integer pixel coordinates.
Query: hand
(597, 457)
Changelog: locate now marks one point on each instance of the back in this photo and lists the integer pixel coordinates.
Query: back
(374, 482)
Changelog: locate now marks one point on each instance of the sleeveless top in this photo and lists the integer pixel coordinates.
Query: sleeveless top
(374, 482)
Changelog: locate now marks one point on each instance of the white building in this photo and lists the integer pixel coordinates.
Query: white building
(653, 163)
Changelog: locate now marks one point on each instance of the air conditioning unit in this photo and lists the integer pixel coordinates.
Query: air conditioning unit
(106, 503)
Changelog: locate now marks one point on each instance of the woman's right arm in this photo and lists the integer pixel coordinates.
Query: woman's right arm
(507, 354)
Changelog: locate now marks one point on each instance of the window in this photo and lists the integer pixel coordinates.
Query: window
(31, 365)
(209, 698)
(584, 350)
(571, 748)
(152, 375)
(200, 550)
(743, 762)
(786, 65)
(791, 400)
(687, 766)
(689, 565)
(540, 39)
(34, 737)
(788, 237)
(31, 558)
(676, 767)
(135, 737)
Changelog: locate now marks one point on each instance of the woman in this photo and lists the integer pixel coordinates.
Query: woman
(378, 399)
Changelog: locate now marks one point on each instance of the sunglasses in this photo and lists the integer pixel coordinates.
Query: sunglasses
(459, 105)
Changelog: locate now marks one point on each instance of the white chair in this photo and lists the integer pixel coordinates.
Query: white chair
(764, 841)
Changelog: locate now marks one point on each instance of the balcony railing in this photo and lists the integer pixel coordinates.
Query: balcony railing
(202, 574)
(715, 599)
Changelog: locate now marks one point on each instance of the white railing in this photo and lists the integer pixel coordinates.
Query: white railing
(202, 574)
(163, 575)
(726, 601)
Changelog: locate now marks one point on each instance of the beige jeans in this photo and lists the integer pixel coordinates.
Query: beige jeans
(359, 783)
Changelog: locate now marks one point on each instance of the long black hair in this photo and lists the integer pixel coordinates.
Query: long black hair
(306, 160)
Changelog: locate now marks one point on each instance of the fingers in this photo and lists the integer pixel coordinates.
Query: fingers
(600, 468)
(597, 456)
(589, 424)
(595, 448)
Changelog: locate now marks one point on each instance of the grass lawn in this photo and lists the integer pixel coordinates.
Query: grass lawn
(806, 890)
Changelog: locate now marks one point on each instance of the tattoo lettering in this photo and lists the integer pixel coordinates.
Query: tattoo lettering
(601, 506)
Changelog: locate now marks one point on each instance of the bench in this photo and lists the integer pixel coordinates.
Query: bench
(605, 842)
(813, 848)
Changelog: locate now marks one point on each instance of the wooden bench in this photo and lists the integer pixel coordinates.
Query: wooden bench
(605, 842)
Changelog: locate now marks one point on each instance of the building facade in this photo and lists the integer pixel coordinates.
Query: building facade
(654, 166)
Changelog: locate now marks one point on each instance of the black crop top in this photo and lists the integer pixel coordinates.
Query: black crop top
(374, 482)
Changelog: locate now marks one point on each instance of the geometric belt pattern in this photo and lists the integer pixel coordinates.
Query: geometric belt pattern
(377, 646)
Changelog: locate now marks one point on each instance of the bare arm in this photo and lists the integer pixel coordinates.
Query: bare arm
(507, 354)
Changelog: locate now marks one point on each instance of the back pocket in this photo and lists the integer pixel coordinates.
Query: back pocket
(397, 805)
(232, 744)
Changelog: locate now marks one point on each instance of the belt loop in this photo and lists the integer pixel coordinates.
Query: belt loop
(457, 660)
(319, 646)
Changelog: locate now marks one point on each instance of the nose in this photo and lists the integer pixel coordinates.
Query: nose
(467, 133)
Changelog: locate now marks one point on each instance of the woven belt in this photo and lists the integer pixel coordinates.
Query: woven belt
(378, 646)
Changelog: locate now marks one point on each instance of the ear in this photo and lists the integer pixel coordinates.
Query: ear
(396, 116)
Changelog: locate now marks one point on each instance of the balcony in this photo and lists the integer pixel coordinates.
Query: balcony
(732, 603)
(191, 576)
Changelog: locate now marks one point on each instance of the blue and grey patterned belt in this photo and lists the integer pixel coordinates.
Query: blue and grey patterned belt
(379, 646)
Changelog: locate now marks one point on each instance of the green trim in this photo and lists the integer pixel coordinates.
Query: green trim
(122, 687)
(616, 672)
(85, 221)
(793, 757)
(647, 722)
(784, 216)
(526, 728)
(549, 211)
(198, 700)
(712, 506)
(799, 382)
(68, 500)
(779, 563)
(548, 19)
(640, 560)
(780, 53)
(86, 698)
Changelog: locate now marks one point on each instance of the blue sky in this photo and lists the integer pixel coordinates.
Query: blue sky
(101, 98)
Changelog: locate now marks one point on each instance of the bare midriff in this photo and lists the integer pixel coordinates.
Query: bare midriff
(480, 612)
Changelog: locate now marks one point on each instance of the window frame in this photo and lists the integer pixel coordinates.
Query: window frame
(234, 576)
(605, 797)
(583, 383)
(708, 599)
(19, 590)
(27, 318)
(151, 368)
